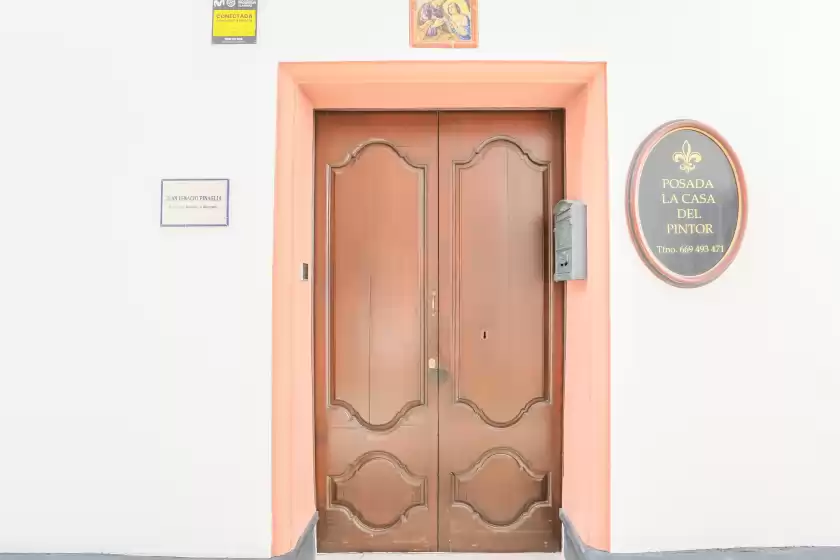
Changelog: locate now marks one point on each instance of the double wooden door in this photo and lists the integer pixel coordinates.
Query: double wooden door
(437, 349)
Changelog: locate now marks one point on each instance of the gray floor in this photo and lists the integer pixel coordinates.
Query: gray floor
(440, 556)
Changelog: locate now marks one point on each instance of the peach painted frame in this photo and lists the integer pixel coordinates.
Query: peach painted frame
(634, 178)
(415, 43)
(302, 88)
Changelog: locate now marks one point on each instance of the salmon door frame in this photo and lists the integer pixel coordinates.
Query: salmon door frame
(580, 89)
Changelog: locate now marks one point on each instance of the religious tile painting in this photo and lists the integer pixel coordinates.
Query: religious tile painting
(444, 23)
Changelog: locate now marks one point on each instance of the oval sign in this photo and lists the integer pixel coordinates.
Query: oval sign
(686, 203)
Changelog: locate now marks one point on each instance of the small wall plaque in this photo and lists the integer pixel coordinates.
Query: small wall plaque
(234, 22)
(194, 202)
(686, 203)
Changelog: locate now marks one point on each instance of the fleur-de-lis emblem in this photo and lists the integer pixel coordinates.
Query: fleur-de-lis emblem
(686, 158)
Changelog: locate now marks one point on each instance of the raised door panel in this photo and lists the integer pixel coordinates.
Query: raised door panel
(376, 258)
(376, 420)
(499, 459)
(501, 294)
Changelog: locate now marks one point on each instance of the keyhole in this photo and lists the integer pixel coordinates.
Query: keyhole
(483, 335)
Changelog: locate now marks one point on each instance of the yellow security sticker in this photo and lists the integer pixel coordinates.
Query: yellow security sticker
(234, 23)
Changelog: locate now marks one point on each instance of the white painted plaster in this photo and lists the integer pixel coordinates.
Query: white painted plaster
(135, 409)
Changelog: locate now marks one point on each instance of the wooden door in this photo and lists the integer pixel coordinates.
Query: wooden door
(437, 393)
(375, 271)
(499, 404)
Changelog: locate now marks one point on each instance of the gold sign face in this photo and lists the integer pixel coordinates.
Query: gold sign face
(686, 203)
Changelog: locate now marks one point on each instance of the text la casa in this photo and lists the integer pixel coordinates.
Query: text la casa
(688, 197)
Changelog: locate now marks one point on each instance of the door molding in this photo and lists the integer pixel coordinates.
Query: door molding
(580, 89)
(332, 400)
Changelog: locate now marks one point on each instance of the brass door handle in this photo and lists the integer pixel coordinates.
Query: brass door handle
(439, 373)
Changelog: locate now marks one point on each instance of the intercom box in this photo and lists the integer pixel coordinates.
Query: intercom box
(569, 240)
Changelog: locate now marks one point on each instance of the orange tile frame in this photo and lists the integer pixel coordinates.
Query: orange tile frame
(580, 88)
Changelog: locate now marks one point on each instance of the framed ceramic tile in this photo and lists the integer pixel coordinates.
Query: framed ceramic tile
(444, 23)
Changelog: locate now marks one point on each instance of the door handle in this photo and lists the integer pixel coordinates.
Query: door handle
(440, 374)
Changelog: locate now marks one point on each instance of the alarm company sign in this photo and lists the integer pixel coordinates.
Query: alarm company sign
(234, 22)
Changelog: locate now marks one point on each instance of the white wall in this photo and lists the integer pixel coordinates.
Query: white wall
(135, 363)
(135, 368)
(724, 399)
